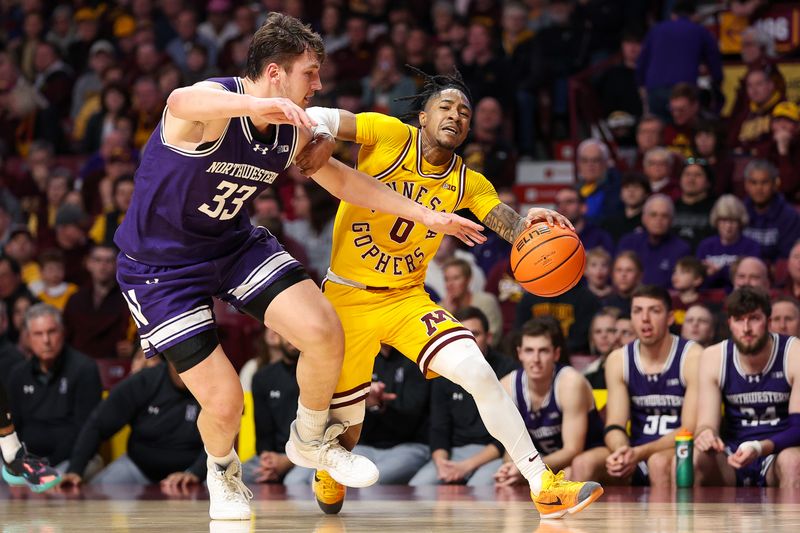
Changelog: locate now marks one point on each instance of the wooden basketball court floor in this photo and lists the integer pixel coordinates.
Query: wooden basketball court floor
(401, 509)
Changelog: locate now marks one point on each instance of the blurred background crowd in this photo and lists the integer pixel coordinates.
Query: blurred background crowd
(667, 131)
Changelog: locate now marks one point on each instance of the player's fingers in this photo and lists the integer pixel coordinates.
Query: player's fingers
(308, 122)
(549, 219)
(475, 232)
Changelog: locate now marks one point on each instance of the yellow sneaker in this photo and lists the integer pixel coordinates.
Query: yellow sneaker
(328, 492)
(560, 496)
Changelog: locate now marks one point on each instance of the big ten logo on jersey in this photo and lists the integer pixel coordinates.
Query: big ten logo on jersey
(434, 318)
(381, 261)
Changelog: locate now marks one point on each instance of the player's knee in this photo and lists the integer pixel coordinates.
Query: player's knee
(324, 334)
(463, 363)
(478, 378)
(788, 464)
(225, 408)
(584, 466)
(659, 465)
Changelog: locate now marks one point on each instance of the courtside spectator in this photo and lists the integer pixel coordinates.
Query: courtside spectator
(673, 52)
(53, 289)
(569, 203)
(758, 52)
(625, 332)
(658, 163)
(717, 252)
(649, 134)
(458, 296)
(656, 247)
(354, 61)
(708, 144)
(634, 190)
(750, 272)
(699, 325)
(97, 319)
(11, 289)
(774, 223)
(750, 133)
(486, 149)
(626, 274)
(383, 89)
(784, 149)
(598, 272)
(603, 337)
(785, 316)
(792, 286)
(687, 278)
(684, 108)
(22, 248)
(53, 393)
(598, 183)
(616, 87)
(695, 202)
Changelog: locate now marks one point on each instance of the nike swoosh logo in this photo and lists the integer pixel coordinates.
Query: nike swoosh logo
(556, 502)
(532, 458)
(406, 168)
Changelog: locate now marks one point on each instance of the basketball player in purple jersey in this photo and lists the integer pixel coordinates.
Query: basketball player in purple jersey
(756, 376)
(652, 383)
(554, 400)
(186, 238)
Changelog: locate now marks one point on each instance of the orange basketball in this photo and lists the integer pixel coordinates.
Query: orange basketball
(548, 260)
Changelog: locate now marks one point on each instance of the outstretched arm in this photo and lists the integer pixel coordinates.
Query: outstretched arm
(199, 113)
(359, 189)
(509, 224)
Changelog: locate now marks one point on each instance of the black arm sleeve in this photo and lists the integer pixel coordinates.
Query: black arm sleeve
(441, 431)
(109, 417)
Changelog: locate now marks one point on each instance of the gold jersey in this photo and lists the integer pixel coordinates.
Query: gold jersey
(374, 249)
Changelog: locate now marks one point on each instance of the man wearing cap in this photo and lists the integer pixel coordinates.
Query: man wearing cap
(784, 149)
(86, 30)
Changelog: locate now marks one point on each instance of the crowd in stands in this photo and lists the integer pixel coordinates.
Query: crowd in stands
(675, 196)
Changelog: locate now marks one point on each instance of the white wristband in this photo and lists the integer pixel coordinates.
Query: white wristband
(327, 120)
(754, 444)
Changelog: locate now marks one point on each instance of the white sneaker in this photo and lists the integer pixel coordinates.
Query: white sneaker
(345, 467)
(230, 497)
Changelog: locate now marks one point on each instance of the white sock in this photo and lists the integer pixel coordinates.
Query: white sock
(10, 445)
(310, 424)
(462, 362)
(224, 461)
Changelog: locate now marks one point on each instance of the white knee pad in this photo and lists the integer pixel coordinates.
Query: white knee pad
(351, 415)
(463, 363)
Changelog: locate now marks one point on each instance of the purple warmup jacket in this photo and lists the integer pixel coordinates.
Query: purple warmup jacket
(659, 259)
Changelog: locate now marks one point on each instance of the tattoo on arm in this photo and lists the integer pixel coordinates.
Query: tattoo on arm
(505, 222)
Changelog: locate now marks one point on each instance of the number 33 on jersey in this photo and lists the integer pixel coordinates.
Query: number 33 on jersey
(379, 250)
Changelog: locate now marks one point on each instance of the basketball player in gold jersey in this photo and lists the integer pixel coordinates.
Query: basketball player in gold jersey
(378, 267)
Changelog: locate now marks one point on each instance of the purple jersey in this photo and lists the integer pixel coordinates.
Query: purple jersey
(656, 399)
(756, 405)
(187, 205)
(544, 425)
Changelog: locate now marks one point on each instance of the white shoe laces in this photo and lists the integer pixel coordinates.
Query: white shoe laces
(235, 489)
(331, 451)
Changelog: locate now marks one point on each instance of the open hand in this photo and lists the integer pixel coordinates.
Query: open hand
(465, 230)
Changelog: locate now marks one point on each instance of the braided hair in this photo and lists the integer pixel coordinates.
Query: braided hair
(433, 86)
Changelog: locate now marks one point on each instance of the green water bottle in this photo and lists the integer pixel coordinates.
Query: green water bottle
(684, 448)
